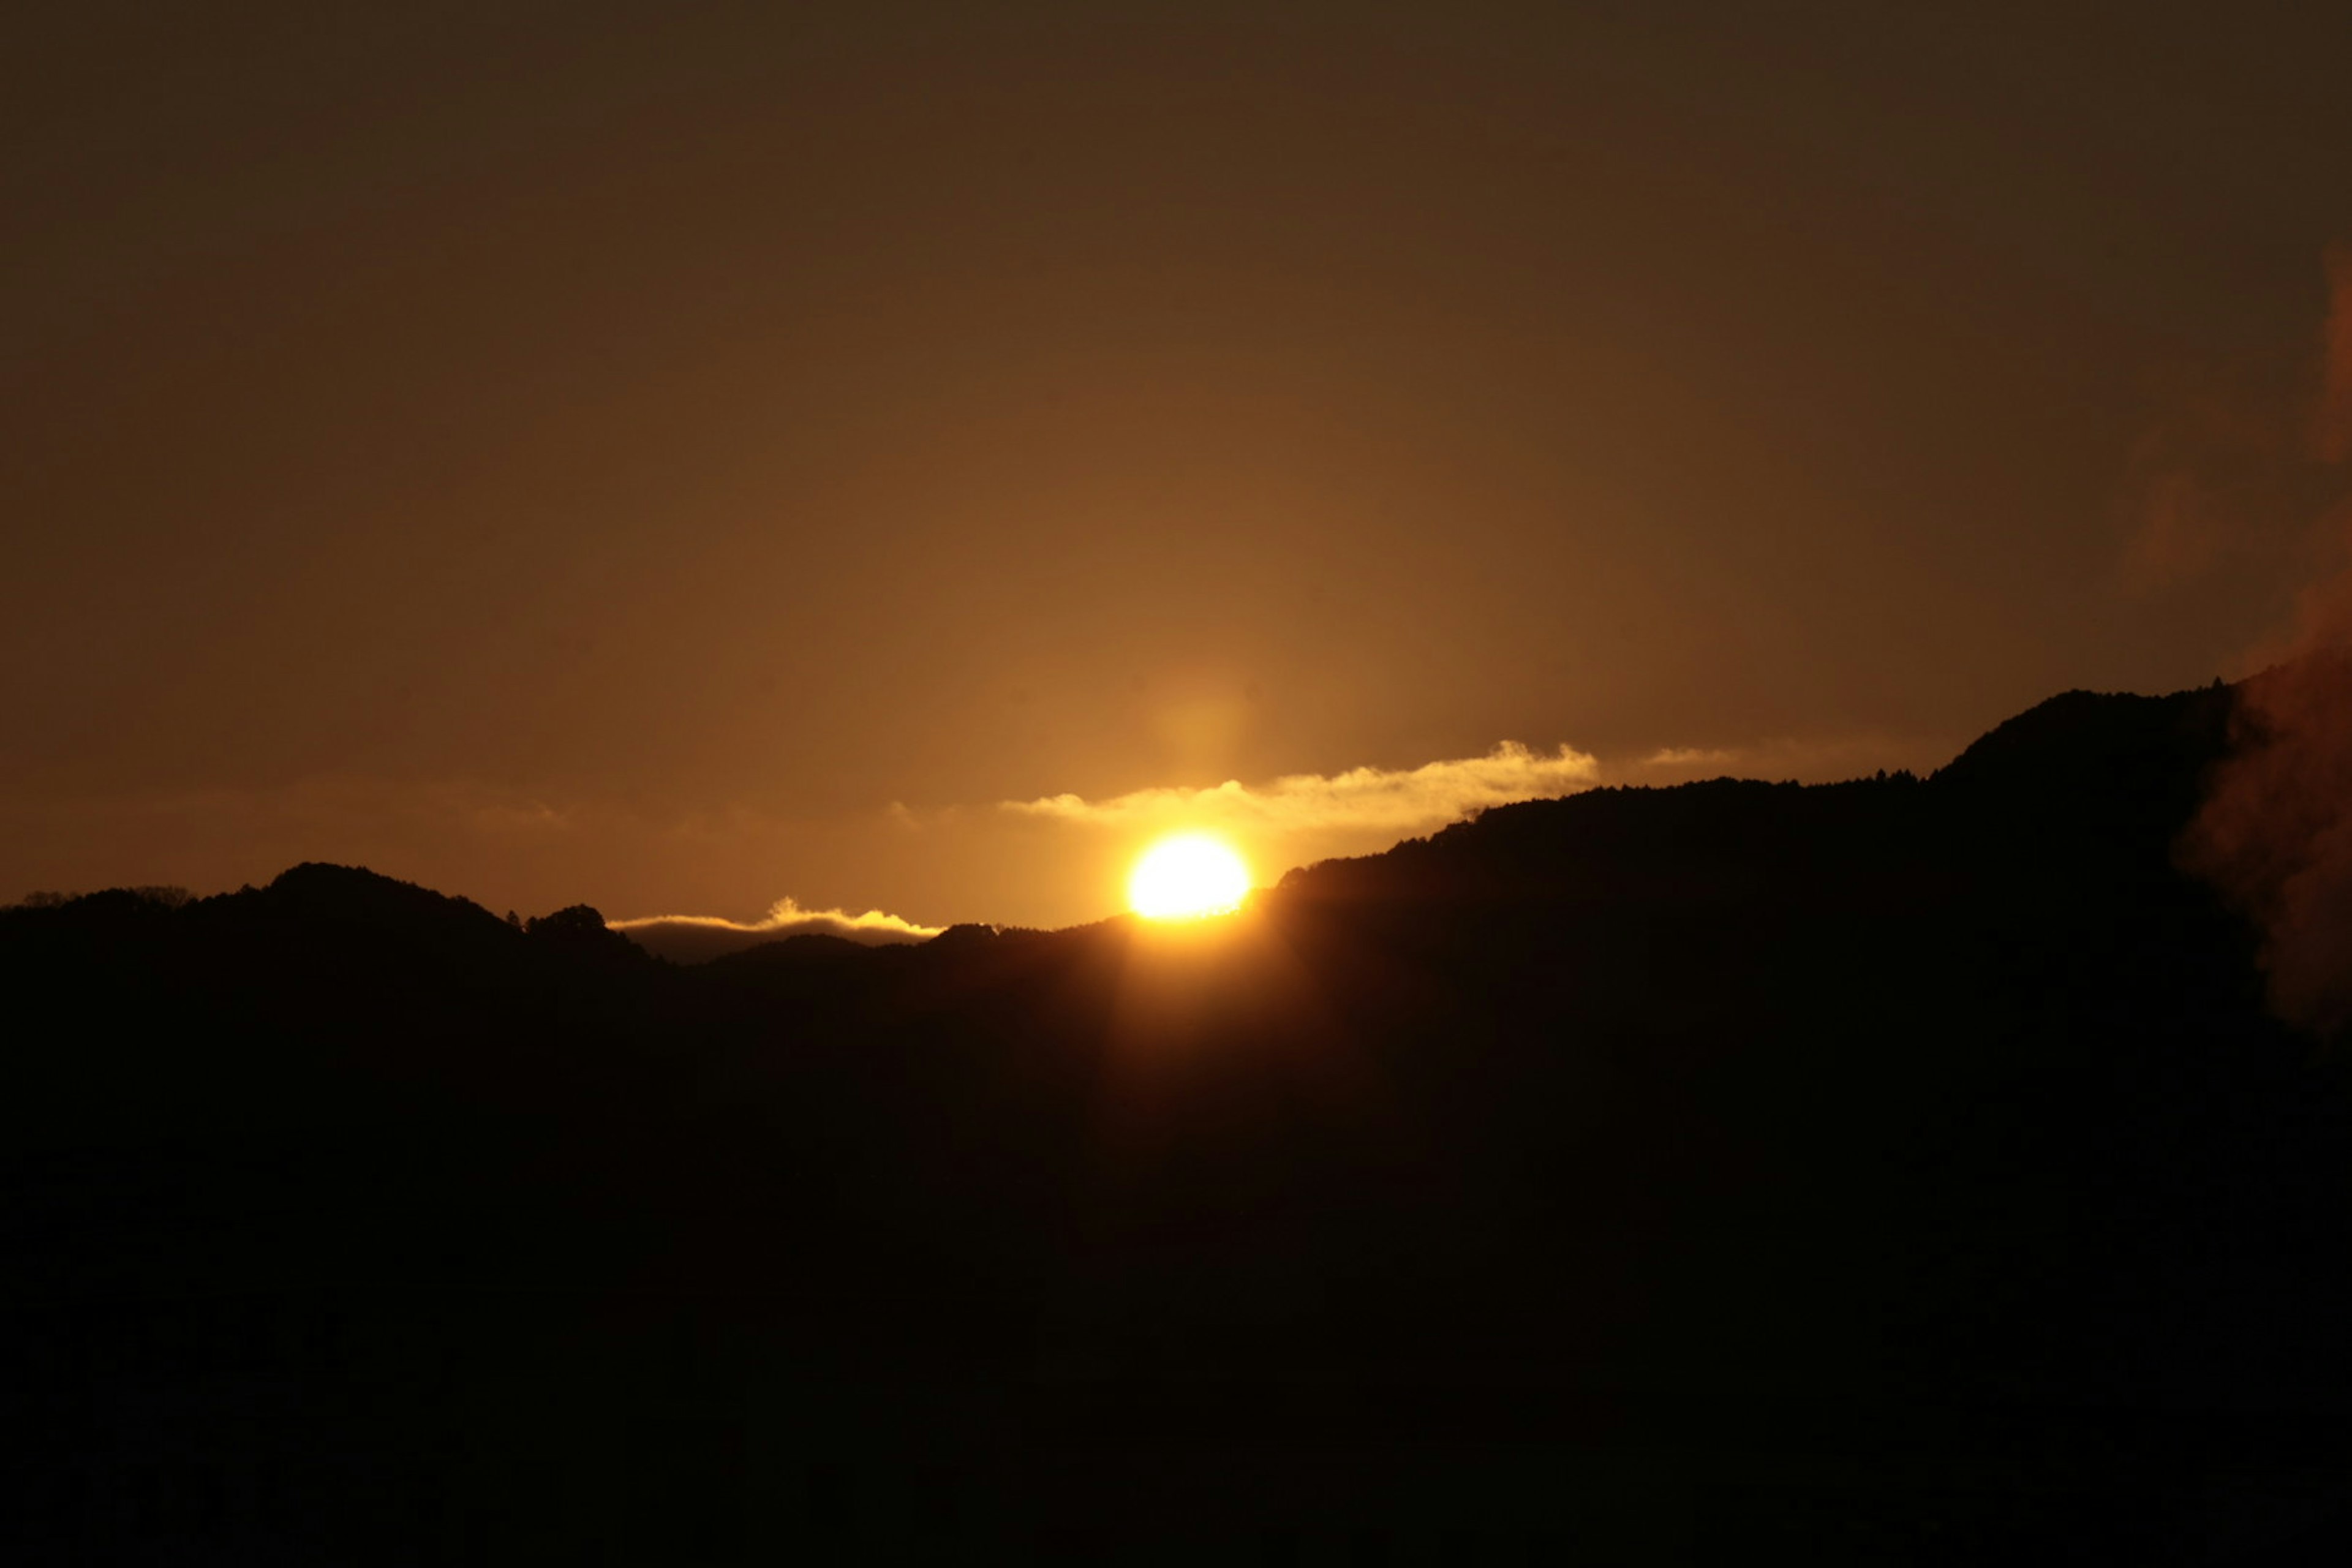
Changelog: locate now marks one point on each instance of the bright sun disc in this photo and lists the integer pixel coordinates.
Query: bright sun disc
(1186, 878)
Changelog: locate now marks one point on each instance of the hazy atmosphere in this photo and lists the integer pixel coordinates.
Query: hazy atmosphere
(1176, 784)
(681, 460)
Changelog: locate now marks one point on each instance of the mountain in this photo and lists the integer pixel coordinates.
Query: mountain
(1906, 1166)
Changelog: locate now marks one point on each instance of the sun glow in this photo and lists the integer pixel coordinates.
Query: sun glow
(1187, 878)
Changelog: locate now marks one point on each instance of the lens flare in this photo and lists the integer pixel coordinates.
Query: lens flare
(1188, 876)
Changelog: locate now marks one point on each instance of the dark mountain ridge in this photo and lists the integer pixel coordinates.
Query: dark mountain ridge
(1937, 1118)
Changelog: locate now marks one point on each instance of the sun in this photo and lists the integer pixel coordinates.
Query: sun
(1187, 878)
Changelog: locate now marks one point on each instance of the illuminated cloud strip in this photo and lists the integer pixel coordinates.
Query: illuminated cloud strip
(1807, 761)
(694, 939)
(1366, 799)
(1690, 757)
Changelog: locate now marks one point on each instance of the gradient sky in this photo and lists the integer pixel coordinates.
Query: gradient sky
(677, 458)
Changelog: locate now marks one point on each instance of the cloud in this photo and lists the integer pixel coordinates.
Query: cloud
(697, 939)
(2239, 462)
(2275, 831)
(2332, 427)
(2210, 487)
(1362, 800)
(1805, 761)
(1690, 757)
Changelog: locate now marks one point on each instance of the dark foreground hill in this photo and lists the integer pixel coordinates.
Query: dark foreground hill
(1902, 1169)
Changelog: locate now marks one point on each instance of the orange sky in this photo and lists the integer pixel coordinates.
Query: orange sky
(679, 461)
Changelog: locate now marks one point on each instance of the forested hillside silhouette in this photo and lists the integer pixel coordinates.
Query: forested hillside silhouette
(1906, 1167)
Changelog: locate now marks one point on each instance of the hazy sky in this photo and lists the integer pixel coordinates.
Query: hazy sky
(678, 457)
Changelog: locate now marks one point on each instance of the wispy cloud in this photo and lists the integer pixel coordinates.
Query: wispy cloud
(694, 939)
(1813, 759)
(1690, 757)
(1368, 800)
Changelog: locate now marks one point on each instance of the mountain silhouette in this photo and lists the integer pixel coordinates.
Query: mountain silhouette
(1906, 1167)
